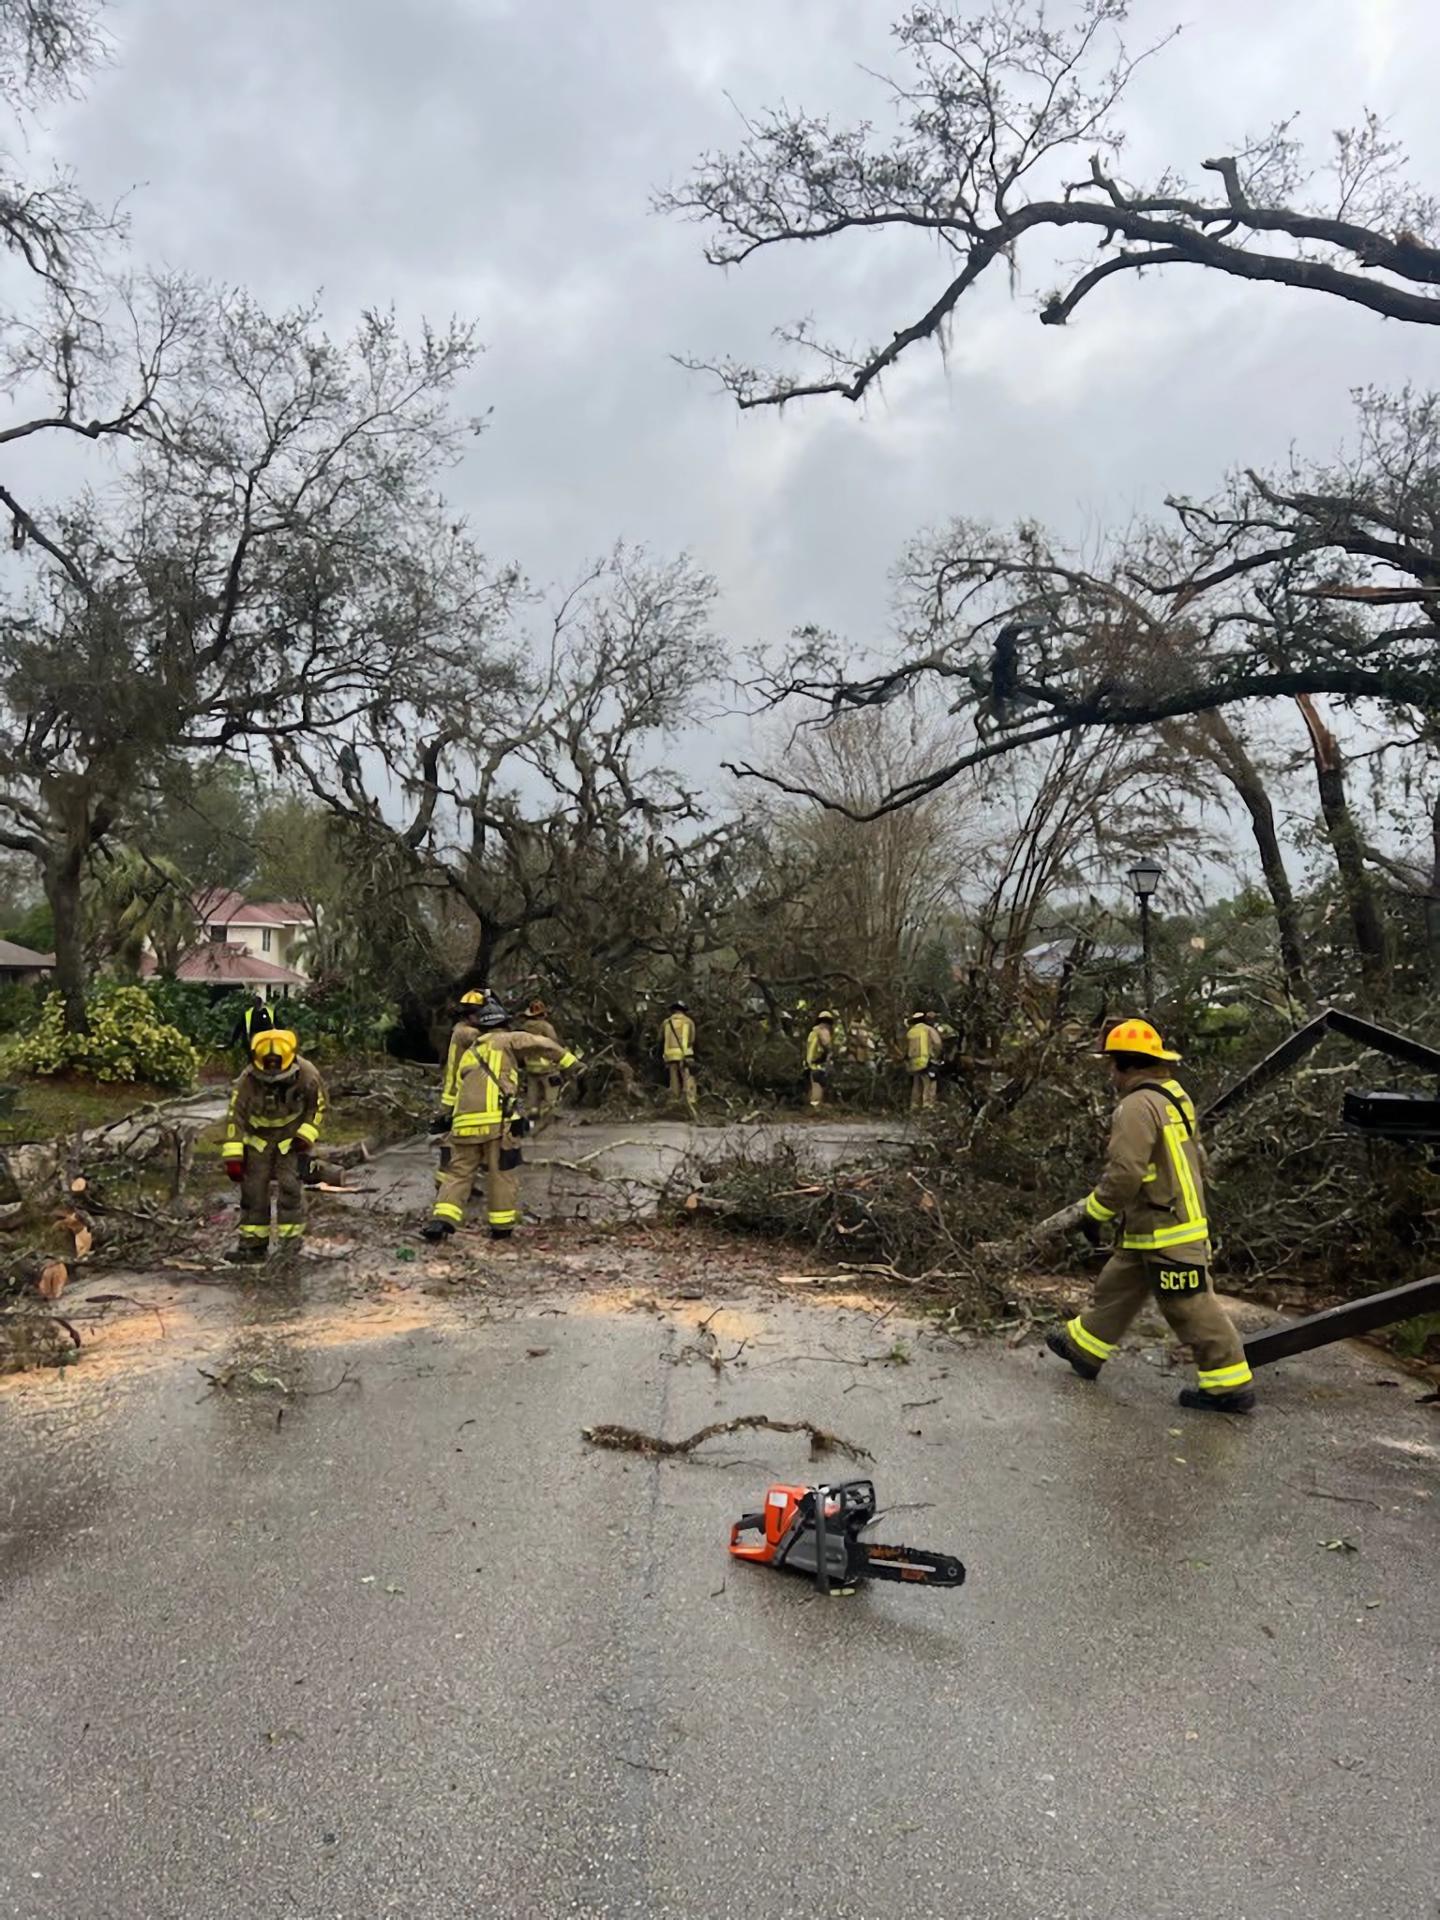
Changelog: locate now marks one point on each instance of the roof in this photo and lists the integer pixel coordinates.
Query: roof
(22, 958)
(224, 907)
(213, 965)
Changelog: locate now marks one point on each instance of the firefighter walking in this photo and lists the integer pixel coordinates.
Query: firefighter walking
(677, 1044)
(1153, 1190)
(819, 1054)
(923, 1047)
(482, 1130)
(277, 1108)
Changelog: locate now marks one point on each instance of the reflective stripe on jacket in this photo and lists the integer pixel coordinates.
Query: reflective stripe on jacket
(1154, 1178)
(817, 1048)
(537, 1024)
(462, 1037)
(678, 1034)
(922, 1046)
(490, 1079)
(271, 1113)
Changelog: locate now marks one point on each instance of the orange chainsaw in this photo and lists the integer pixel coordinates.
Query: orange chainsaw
(816, 1531)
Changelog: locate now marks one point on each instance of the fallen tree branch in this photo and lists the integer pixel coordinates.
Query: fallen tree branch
(629, 1440)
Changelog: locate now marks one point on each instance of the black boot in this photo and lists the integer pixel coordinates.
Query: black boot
(436, 1230)
(1242, 1400)
(501, 1233)
(1060, 1342)
(249, 1253)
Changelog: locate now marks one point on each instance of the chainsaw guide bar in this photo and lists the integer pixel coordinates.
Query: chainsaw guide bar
(816, 1531)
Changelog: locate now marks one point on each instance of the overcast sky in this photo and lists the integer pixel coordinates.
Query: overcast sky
(495, 158)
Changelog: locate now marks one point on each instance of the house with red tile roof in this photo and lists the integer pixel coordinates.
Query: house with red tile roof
(268, 931)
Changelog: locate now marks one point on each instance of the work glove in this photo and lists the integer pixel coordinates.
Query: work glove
(235, 1169)
(520, 1126)
(1093, 1231)
(439, 1121)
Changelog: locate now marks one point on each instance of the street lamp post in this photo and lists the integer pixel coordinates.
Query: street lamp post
(1145, 876)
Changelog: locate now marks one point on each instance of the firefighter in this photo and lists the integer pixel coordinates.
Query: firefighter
(463, 1036)
(922, 1056)
(677, 1043)
(1153, 1188)
(486, 1123)
(254, 1018)
(819, 1052)
(276, 1111)
(542, 1088)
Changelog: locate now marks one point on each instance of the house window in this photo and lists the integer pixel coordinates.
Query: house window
(265, 940)
(217, 936)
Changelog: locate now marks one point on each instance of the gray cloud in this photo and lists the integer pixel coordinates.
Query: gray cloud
(495, 158)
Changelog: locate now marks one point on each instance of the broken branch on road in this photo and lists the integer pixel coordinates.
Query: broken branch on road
(630, 1440)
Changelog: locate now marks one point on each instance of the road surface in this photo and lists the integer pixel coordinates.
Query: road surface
(411, 1648)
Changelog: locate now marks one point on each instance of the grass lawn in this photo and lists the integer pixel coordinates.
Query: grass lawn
(47, 1107)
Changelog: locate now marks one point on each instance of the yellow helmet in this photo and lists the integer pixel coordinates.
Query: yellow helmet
(275, 1051)
(1137, 1036)
(828, 1013)
(475, 997)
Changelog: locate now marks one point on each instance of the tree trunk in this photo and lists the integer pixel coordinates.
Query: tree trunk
(60, 876)
(1232, 758)
(1432, 901)
(1366, 919)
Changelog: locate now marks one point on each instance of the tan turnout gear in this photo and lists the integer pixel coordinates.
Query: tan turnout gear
(485, 1106)
(819, 1051)
(677, 1042)
(1153, 1188)
(923, 1047)
(542, 1087)
(273, 1122)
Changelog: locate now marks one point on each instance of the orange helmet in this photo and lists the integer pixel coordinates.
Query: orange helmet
(1137, 1036)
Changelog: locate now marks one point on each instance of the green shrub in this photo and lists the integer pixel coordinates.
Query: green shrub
(205, 1020)
(19, 1005)
(126, 1041)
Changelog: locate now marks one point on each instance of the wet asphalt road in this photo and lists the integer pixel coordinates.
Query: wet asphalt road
(414, 1650)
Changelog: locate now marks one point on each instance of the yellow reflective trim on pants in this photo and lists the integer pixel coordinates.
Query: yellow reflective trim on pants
(1096, 1209)
(291, 1230)
(1220, 1379)
(255, 1233)
(444, 1211)
(1086, 1341)
(506, 1219)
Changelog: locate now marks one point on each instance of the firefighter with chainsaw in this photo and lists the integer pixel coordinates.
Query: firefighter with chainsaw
(820, 1053)
(1152, 1191)
(542, 1087)
(487, 1122)
(923, 1048)
(277, 1109)
(677, 1044)
(463, 1036)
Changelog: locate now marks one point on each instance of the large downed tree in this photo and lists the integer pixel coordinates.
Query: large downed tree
(1008, 129)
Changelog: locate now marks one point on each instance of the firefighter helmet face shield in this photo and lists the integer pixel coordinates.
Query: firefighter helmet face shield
(1137, 1036)
(491, 1017)
(275, 1052)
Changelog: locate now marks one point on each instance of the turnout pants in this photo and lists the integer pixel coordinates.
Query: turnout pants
(498, 1156)
(682, 1083)
(923, 1091)
(264, 1167)
(1182, 1290)
(817, 1088)
(542, 1090)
